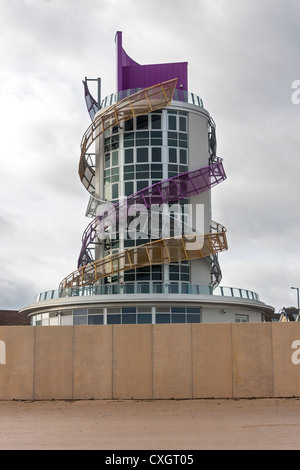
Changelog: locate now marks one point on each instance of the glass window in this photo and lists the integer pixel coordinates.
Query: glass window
(142, 138)
(156, 167)
(129, 156)
(193, 318)
(183, 157)
(142, 122)
(113, 319)
(128, 318)
(129, 139)
(115, 191)
(141, 185)
(115, 142)
(107, 144)
(193, 310)
(144, 318)
(95, 311)
(128, 168)
(95, 320)
(80, 311)
(241, 318)
(182, 124)
(173, 155)
(156, 121)
(172, 139)
(174, 277)
(177, 309)
(178, 318)
(129, 125)
(172, 122)
(129, 188)
(142, 155)
(142, 168)
(156, 138)
(113, 310)
(128, 176)
(173, 168)
(128, 309)
(107, 160)
(156, 154)
(162, 318)
(80, 320)
(114, 160)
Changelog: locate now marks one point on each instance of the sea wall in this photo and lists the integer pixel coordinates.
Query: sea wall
(180, 361)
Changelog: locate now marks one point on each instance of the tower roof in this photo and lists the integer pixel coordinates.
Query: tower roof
(132, 75)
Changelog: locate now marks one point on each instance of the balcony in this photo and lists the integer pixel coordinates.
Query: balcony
(149, 288)
(179, 95)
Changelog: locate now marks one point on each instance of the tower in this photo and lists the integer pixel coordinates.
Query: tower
(151, 251)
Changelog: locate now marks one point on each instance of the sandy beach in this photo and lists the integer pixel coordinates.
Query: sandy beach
(215, 424)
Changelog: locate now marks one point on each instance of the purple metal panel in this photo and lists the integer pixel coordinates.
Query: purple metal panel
(178, 187)
(132, 75)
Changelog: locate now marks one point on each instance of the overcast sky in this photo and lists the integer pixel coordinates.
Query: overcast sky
(243, 57)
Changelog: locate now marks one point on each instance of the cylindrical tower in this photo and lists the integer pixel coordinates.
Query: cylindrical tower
(150, 252)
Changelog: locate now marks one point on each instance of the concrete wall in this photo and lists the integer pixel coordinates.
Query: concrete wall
(150, 361)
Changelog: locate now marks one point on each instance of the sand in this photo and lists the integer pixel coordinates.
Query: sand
(258, 424)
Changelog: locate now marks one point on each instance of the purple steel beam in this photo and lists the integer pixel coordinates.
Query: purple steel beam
(133, 75)
(178, 187)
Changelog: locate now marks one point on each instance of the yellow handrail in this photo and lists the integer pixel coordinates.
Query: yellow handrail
(167, 250)
(145, 101)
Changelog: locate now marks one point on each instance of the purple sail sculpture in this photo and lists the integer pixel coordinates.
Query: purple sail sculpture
(182, 186)
(133, 75)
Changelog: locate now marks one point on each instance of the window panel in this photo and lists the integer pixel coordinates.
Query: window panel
(173, 155)
(115, 159)
(192, 318)
(129, 188)
(156, 121)
(129, 310)
(95, 320)
(128, 318)
(142, 155)
(162, 318)
(80, 311)
(114, 319)
(156, 154)
(172, 122)
(80, 320)
(142, 122)
(115, 191)
(129, 125)
(178, 318)
(129, 156)
(144, 318)
(182, 124)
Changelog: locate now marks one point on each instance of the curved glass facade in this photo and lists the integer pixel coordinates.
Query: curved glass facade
(120, 315)
(141, 152)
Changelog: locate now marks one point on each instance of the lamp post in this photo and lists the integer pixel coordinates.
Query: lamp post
(297, 289)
